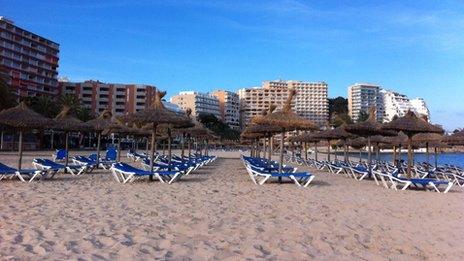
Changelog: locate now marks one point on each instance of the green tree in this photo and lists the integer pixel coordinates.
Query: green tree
(363, 116)
(76, 106)
(340, 119)
(7, 98)
(218, 127)
(83, 114)
(338, 105)
(44, 105)
(70, 100)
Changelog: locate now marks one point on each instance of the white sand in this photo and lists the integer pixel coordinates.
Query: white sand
(218, 213)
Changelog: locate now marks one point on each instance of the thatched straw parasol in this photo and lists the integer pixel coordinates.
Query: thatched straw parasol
(455, 139)
(377, 140)
(338, 133)
(263, 131)
(120, 128)
(368, 129)
(156, 114)
(310, 138)
(411, 125)
(287, 120)
(427, 139)
(195, 128)
(100, 124)
(357, 144)
(23, 119)
(64, 121)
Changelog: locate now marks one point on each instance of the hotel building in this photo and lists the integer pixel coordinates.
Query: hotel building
(119, 98)
(229, 107)
(310, 102)
(396, 104)
(198, 102)
(361, 97)
(30, 60)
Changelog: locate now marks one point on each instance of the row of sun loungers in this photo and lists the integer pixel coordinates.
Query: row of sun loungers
(391, 176)
(261, 170)
(164, 171)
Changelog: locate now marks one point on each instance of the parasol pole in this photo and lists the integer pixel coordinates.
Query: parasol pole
(152, 150)
(306, 150)
(67, 149)
(270, 148)
(428, 154)
(51, 139)
(98, 148)
(436, 159)
(369, 154)
(189, 142)
(328, 151)
(169, 148)
(409, 156)
(119, 149)
(20, 148)
(183, 145)
(315, 151)
(281, 157)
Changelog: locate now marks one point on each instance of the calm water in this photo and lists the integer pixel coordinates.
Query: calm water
(444, 158)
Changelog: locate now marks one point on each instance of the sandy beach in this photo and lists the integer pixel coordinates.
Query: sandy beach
(217, 213)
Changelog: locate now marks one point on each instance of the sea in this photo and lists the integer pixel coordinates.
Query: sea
(456, 159)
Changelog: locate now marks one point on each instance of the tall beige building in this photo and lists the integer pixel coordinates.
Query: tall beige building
(363, 96)
(118, 98)
(198, 102)
(311, 100)
(229, 107)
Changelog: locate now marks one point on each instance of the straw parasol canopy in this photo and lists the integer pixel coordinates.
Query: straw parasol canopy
(455, 139)
(23, 119)
(66, 122)
(338, 133)
(156, 114)
(100, 124)
(287, 120)
(357, 143)
(368, 129)
(193, 128)
(411, 125)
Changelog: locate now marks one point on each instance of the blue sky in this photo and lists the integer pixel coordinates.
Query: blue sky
(414, 47)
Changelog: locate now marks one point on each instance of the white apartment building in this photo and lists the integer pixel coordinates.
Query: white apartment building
(362, 97)
(310, 102)
(396, 104)
(229, 106)
(119, 98)
(198, 102)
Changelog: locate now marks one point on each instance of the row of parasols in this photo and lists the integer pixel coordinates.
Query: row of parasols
(151, 121)
(408, 131)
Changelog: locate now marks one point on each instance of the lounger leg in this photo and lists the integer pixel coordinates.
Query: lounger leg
(176, 176)
(35, 175)
(17, 174)
(264, 180)
(450, 184)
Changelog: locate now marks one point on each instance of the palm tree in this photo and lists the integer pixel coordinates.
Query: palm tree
(70, 100)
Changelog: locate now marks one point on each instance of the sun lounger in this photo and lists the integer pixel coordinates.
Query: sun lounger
(60, 155)
(52, 167)
(124, 173)
(259, 177)
(424, 183)
(31, 174)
